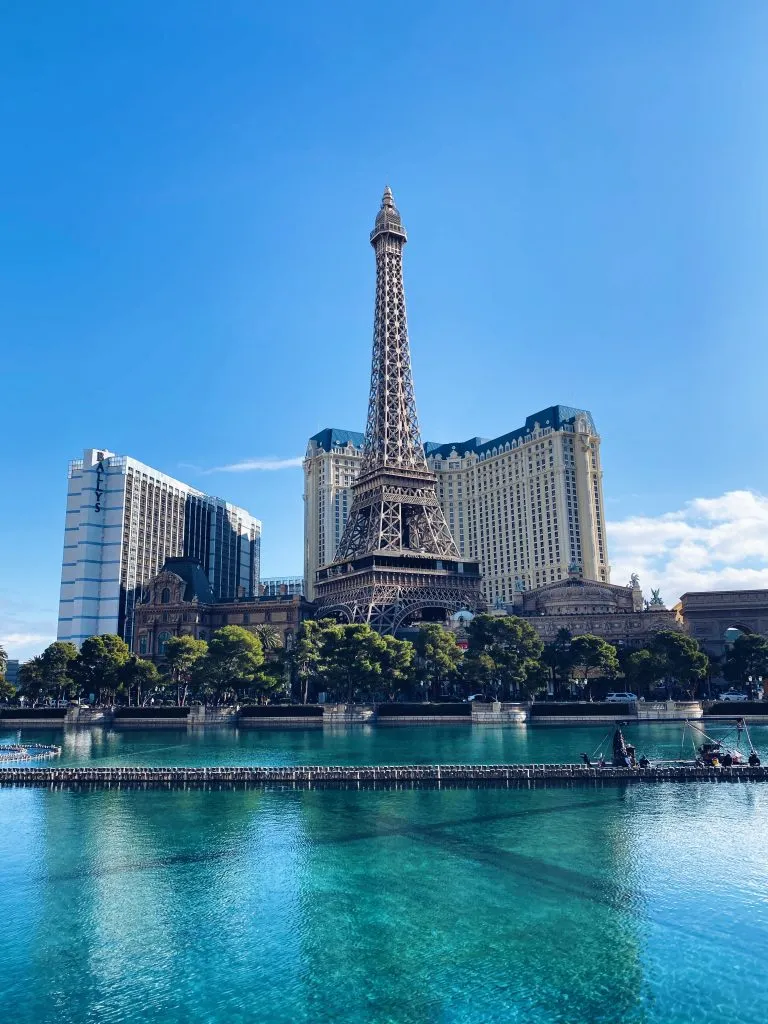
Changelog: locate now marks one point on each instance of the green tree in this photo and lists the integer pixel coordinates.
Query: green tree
(352, 661)
(232, 663)
(591, 657)
(97, 667)
(31, 684)
(3, 660)
(679, 657)
(438, 658)
(306, 657)
(480, 673)
(7, 690)
(747, 659)
(270, 679)
(641, 670)
(504, 656)
(557, 658)
(270, 636)
(182, 655)
(139, 675)
(56, 665)
(356, 663)
(396, 658)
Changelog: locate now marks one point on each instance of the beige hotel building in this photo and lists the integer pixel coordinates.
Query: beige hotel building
(528, 506)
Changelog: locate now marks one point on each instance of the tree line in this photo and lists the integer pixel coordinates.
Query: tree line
(504, 659)
(234, 663)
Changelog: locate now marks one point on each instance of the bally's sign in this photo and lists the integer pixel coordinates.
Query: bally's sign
(99, 484)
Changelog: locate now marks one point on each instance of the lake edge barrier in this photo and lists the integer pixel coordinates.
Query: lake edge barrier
(364, 776)
(538, 713)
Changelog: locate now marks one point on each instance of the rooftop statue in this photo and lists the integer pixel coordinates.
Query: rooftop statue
(656, 601)
(634, 581)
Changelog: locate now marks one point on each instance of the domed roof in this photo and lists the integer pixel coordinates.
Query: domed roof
(461, 616)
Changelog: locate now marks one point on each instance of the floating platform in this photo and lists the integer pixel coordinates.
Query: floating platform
(367, 777)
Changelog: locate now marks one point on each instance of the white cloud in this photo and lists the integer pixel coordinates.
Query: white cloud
(249, 465)
(710, 544)
(25, 639)
(25, 629)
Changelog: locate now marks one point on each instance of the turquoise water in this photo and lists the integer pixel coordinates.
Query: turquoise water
(619, 905)
(445, 744)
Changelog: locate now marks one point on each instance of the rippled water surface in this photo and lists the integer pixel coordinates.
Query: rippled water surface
(444, 744)
(616, 904)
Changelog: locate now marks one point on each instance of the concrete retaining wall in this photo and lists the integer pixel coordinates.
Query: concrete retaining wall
(669, 710)
(266, 723)
(424, 720)
(348, 714)
(498, 713)
(39, 723)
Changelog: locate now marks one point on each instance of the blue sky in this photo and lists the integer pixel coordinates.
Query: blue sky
(187, 191)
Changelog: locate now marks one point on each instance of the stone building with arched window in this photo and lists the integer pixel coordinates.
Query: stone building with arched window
(716, 617)
(179, 601)
(618, 614)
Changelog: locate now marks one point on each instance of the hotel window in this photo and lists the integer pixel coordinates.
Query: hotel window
(162, 640)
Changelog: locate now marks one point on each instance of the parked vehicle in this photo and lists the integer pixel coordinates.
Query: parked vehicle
(620, 698)
(733, 695)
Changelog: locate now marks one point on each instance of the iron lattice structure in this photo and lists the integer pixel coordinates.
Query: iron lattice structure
(396, 557)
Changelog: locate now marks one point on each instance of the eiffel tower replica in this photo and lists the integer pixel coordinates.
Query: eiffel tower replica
(396, 561)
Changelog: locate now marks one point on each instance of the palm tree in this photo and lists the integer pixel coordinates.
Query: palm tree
(270, 636)
(3, 660)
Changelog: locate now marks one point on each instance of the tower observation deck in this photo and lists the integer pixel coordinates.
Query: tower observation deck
(396, 562)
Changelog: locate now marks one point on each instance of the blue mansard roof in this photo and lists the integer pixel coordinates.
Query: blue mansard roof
(196, 579)
(332, 437)
(556, 417)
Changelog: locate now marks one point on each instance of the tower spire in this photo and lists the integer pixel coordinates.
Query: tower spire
(392, 436)
(397, 557)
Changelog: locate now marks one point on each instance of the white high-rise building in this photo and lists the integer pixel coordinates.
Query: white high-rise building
(528, 506)
(123, 520)
(331, 466)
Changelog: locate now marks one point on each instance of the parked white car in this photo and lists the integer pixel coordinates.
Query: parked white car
(733, 695)
(620, 698)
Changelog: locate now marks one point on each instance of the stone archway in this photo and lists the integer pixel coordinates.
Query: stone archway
(709, 614)
(733, 632)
